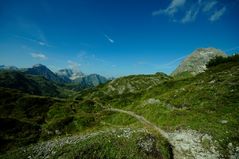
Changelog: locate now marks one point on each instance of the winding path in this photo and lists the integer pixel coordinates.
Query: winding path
(141, 119)
(189, 145)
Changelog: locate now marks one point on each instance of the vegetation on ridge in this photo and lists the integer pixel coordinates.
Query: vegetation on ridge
(219, 60)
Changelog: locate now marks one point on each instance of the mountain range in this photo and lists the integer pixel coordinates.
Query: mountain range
(3, 67)
(64, 76)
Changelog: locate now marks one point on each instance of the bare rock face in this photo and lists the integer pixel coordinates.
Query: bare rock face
(190, 144)
(70, 74)
(196, 62)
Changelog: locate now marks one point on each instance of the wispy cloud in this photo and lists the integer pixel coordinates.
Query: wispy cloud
(39, 42)
(43, 43)
(92, 63)
(109, 39)
(209, 5)
(82, 55)
(30, 31)
(217, 14)
(86, 56)
(191, 9)
(190, 15)
(171, 9)
(172, 63)
(168, 65)
(39, 56)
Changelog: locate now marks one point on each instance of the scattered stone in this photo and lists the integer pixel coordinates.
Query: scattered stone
(49, 148)
(57, 132)
(151, 101)
(213, 81)
(224, 121)
(183, 89)
(192, 144)
(147, 143)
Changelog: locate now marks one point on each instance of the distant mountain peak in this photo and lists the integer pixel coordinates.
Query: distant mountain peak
(70, 74)
(196, 62)
(42, 70)
(3, 67)
(39, 65)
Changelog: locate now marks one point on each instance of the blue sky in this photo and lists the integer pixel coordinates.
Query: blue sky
(114, 37)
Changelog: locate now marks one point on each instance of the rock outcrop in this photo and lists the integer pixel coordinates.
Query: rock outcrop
(196, 62)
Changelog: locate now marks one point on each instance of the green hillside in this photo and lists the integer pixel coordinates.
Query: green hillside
(207, 103)
(37, 85)
(139, 116)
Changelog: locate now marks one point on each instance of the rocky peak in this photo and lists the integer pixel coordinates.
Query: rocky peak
(196, 62)
(70, 74)
(39, 65)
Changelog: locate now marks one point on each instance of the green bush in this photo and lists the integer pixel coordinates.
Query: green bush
(219, 60)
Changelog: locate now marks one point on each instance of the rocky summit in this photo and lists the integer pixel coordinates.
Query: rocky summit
(69, 74)
(196, 62)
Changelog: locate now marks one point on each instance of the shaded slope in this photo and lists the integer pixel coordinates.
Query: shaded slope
(42, 70)
(26, 83)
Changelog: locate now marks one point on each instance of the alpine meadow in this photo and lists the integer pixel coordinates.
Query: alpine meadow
(119, 79)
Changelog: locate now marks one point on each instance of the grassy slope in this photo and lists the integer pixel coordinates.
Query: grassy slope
(111, 143)
(199, 103)
(49, 118)
(36, 119)
(202, 103)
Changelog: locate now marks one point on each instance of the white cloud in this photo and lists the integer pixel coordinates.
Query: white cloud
(39, 56)
(191, 9)
(171, 9)
(74, 66)
(209, 5)
(190, 15)
(42, 43)
(109, 39)
(217, 14)
(172, 63)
